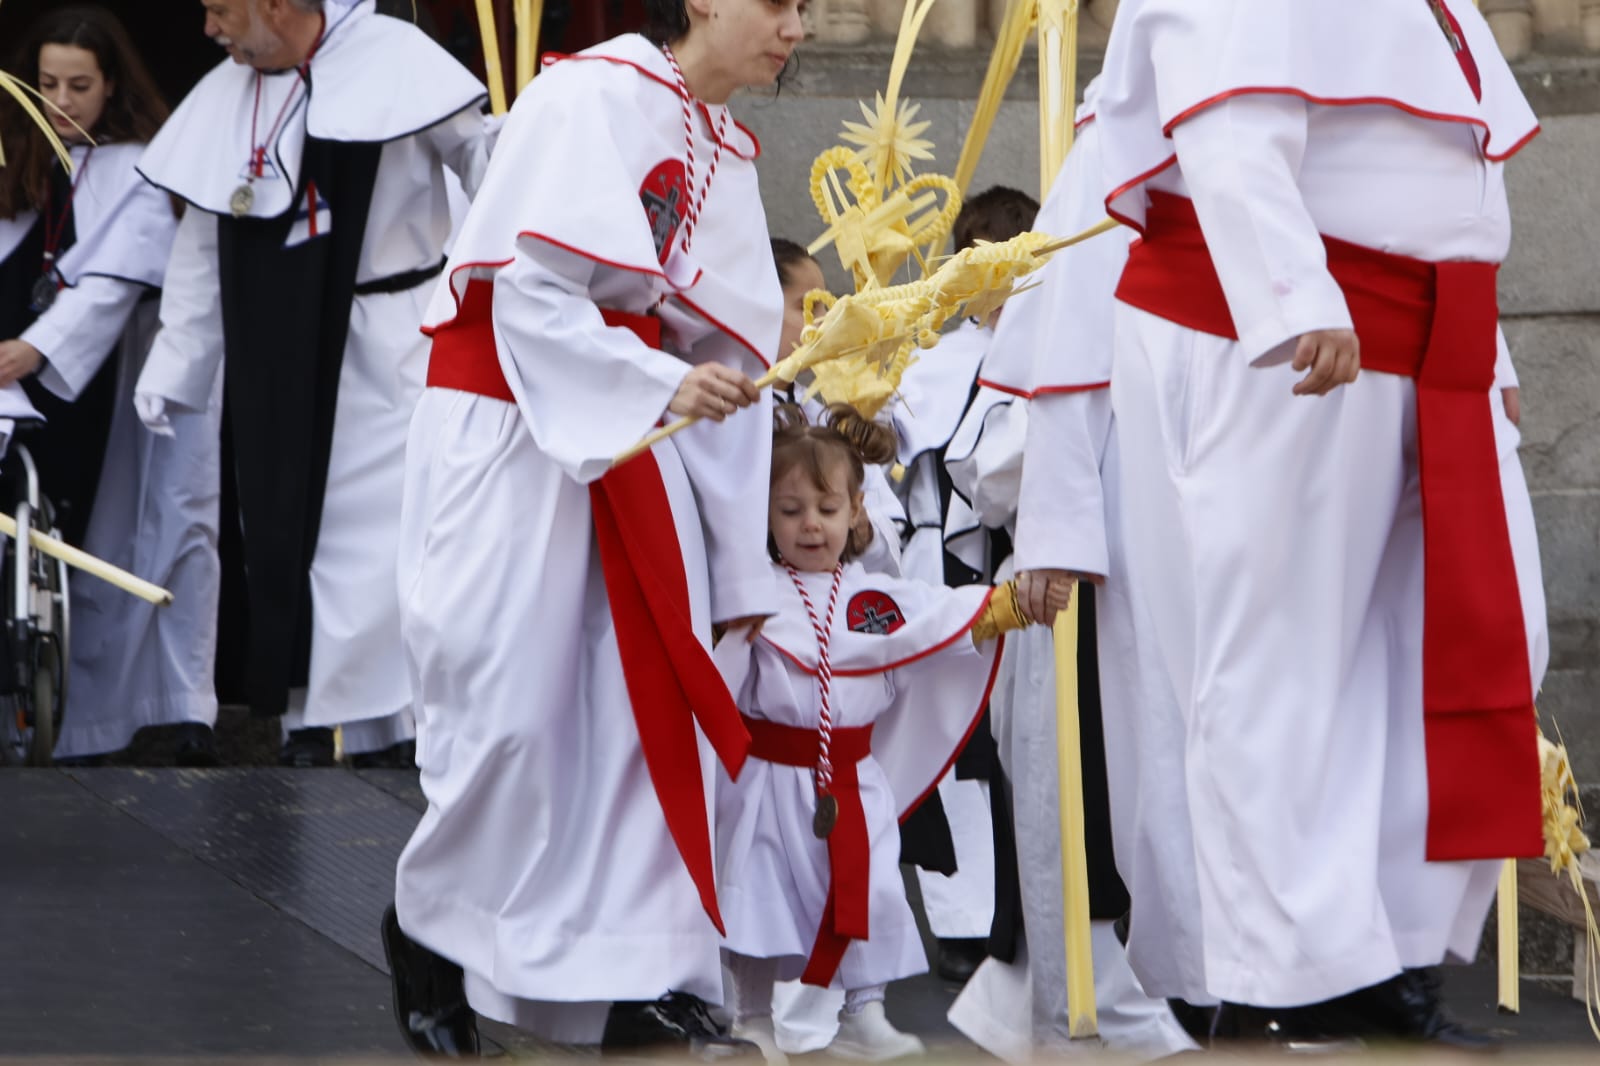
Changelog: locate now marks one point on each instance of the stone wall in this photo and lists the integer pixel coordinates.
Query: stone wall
(1551, 284)
(1521, 26)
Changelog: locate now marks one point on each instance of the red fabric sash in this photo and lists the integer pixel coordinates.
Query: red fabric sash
(464, 357)
(672, 682)
(1434, 322)
(844, 917)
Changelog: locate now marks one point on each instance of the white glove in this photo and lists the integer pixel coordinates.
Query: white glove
(152, 411)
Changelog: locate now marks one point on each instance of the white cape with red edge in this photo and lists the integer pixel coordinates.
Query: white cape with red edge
(725, 282)
(922, 687)
(1056, 337)
(374, 79)
(1168, 59)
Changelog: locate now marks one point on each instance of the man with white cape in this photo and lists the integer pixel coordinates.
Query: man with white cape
(314, 169)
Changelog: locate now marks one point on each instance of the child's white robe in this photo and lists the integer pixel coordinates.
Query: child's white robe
(921, 687)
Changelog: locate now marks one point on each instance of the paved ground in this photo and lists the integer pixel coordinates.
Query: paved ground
(162, 912)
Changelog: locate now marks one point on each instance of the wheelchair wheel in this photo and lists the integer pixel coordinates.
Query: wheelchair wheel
(16, 734)
(37, 648)
(47, 699)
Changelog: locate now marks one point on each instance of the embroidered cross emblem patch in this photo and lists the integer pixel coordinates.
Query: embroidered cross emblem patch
(875, 613)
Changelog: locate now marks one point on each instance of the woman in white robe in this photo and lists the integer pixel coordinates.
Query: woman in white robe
(614, 270)
(96, 250)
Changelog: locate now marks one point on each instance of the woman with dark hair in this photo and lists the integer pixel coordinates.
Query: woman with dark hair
(614, 272)
(84, 253)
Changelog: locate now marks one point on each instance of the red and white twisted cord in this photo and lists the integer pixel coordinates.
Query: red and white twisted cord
(696, 200)
(824, 674)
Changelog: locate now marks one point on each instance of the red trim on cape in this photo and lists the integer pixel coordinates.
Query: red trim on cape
(550, 59)
(725, 330)
(1128, 186)
(1061, 390)
(870, 671)
(1359, 101)
(456, 297)
(1043, 390)
(977, 719)
(503, 263)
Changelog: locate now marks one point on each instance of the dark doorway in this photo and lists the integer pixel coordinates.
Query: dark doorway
(170, 35)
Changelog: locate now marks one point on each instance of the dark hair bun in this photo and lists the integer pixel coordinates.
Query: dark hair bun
(788, 418)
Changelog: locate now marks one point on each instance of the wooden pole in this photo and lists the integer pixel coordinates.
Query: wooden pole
(1510, 961)
(530, 16)
(493, 69)
(1082, 1018)
(82, 560)
(1003, 62)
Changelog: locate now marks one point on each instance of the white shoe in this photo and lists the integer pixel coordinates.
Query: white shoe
(867, 1036)
(759, 1032)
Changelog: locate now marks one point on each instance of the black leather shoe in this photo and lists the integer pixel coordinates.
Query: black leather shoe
(1199, 1022)
(959, 958)
(306, 748)
(401, 756)
(197, 746)
(1407, 1008)
(430, 1004)
(1308, 1030)
(675, 1022)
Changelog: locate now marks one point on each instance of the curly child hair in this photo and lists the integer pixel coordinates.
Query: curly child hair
(843, 434)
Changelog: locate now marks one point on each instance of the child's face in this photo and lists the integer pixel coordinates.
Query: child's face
(804, 277)
(811, 526)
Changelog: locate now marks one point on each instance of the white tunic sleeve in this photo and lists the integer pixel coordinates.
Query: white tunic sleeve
(183, 364)
(730, 466)
(985, 457)
(1061, 517)
(1240, 160)
(80, 330)
(587, 391)
(463, 141)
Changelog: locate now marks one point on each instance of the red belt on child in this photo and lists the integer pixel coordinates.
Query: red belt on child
(672, 682)
(844, 916)
(1436, 323)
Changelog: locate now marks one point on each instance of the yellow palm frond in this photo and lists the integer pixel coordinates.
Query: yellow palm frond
(890, 140)
(20, 91)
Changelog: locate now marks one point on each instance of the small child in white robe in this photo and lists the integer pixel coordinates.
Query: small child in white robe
(858, 694)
